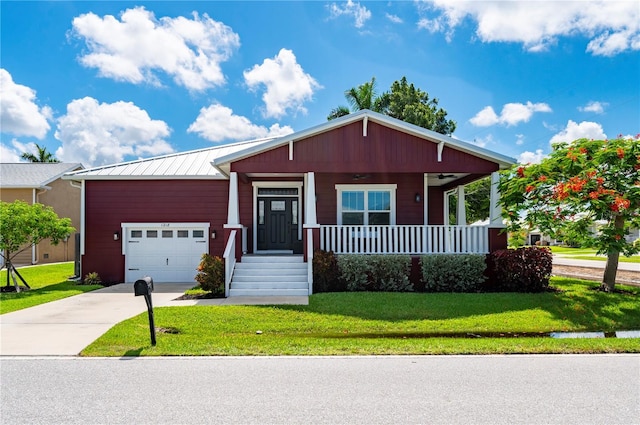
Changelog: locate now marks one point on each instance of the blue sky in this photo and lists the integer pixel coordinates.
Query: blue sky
(105, 82)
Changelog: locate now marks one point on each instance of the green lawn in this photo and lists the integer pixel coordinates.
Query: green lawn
(48, 283)
(588, 254)
(387, 323)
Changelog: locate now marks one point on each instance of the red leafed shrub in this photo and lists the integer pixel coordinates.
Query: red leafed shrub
(326, 275)
(211, 274)
(520, 270)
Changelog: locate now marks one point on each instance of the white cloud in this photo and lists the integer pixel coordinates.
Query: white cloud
(519, 139)
(19, 113)
(359, 13)
(217, 123)
(574, 131)
(138, 45)
(13, 153)
(512, 114)
(612, 26)
(288, 86)
(593, 106)
(103, 133)
(531, 157)
(394, 18)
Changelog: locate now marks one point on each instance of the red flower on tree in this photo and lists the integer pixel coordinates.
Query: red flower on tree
(620, 153)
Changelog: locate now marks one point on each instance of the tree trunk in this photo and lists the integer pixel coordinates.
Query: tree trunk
(611, 269)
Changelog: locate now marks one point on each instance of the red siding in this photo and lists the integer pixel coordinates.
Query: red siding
(110, 203)
(408, 211)
(345, 150)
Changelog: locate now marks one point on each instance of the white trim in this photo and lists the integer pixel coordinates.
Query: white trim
(495, 208)
(440, 148)
(365, 122)
(425, 199)
(392, 188)
(274, 184)
(82, 218)
(233, 213)
(461, 213)
(291, 150)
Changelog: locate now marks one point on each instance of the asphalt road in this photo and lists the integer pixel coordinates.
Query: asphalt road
(527, 389)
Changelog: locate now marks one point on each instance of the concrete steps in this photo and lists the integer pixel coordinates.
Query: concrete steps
(270, 275)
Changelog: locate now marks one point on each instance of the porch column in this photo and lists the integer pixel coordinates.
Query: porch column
(497, 235)
(461, 216)
(233, 216)
(310, 218)
(495, 209)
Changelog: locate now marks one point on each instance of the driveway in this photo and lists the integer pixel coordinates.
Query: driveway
(65, 327)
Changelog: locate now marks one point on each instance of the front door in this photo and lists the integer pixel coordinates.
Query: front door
(276, 223)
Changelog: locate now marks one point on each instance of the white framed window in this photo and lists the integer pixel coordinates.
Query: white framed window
(372, 204)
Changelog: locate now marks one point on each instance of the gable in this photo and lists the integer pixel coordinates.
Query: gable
(347, 149)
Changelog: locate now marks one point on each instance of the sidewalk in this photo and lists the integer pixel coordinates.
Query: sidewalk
(562, 261)
(65, 327)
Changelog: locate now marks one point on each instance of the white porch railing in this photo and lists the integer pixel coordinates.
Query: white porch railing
(229, 261)
(405, 239)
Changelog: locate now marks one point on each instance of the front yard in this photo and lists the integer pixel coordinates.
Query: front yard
(389, 323)
(48, 283)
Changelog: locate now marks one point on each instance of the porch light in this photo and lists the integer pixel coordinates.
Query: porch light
(418, 198)
(116, 235)
(213, 234)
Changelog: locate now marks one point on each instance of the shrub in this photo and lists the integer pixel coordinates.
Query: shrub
(453, 272)
(391, 273)
(521, 270)
(326, 275)
(375, 272)
(211, 274)
(354, 270)
(92, 279)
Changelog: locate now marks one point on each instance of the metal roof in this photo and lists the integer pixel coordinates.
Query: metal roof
(29, 175)
(195, 164)
(503, 160)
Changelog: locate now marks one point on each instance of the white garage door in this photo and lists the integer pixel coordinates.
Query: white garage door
(167, 253)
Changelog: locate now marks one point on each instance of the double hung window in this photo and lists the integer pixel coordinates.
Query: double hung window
(366, 204)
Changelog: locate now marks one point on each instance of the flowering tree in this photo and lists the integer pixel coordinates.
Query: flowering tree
(579, 185)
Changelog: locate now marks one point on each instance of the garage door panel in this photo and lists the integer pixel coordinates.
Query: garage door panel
(167, 255)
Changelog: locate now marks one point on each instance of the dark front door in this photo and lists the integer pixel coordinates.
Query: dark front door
(275, 223)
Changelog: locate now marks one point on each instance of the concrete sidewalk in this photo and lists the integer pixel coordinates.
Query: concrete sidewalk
(65, 327)
(563, 261)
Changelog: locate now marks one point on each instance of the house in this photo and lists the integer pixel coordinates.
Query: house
(42, 183)
(363, 183)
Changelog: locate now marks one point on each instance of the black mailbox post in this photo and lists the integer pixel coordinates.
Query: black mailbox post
(144, 287)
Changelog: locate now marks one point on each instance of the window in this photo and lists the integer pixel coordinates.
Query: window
(152, 233)
(167, 233)
(366, 204)
(136, 233)
(198, 233)
(183, 233)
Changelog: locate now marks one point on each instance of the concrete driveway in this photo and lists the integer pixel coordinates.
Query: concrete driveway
(65, 327)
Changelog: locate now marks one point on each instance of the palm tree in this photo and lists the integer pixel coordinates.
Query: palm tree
(43, 155)
(364, 96)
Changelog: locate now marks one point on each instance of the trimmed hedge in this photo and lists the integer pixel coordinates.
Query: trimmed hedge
(453, 272)
(326, 274)
(375, 272)
(525, 269)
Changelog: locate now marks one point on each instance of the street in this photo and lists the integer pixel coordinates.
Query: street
(526, 389)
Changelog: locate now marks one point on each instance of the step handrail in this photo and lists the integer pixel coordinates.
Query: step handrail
(229, 261)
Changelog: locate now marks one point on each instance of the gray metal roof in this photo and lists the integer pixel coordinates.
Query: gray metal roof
(503, 160)
(195, 164)
(28, 175)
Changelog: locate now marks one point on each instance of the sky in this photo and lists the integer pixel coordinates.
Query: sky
(106, 82)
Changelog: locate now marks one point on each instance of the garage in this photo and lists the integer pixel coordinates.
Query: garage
(168, 252)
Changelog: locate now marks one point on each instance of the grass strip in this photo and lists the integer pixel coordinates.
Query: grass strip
(387, 323)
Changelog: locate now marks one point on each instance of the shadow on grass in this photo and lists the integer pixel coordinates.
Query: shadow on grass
(578, 303)
(56, 287)
(132, 353)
